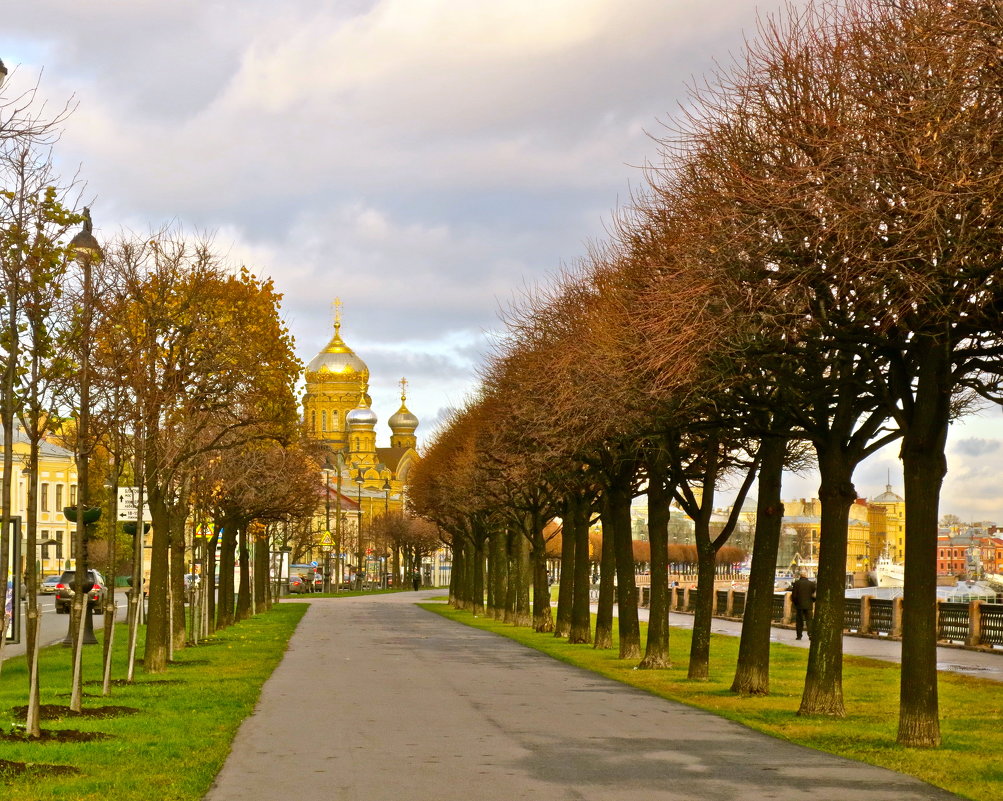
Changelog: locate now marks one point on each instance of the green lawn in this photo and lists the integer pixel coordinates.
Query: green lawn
(175, 744)
(969, 763)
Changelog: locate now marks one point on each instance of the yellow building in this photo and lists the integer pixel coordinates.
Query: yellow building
(57, 488)
(889, 513)
(858, 543)
(802, 518)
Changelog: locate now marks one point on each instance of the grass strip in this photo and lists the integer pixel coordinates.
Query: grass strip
(969, 763)
(174, 746)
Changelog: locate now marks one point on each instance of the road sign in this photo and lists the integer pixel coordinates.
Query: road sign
(312, 564)
(128, 505)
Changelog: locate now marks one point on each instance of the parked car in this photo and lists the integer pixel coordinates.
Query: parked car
(64, 590)
(318, 582)
(48, 585)
(297, 583)
(306, 573)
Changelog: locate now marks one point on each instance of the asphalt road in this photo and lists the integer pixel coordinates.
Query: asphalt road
(54, 627)
(378, 700)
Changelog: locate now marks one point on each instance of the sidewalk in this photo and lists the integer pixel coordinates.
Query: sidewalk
(984, 664)
(379, 700)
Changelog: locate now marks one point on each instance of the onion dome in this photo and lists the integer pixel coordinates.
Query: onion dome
(361, 416)
(403, 422)
(336, 363)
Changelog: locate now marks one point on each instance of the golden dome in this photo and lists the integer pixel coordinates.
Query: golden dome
(336, 363)
(403, 422)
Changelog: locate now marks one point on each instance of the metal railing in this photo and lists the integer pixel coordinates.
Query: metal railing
(976, 623)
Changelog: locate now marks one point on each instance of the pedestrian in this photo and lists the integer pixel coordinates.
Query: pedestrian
(803, 598)
(416, 580)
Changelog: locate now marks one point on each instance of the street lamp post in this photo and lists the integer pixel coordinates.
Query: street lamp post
(386, 521)
(339, 561)
(328, 467)
(359, 479)
(85, 248)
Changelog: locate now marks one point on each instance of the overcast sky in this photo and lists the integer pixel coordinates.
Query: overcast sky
(423, 160)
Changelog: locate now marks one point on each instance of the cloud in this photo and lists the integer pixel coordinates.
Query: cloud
(976, 447)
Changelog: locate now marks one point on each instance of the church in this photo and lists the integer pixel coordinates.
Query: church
(338, 414)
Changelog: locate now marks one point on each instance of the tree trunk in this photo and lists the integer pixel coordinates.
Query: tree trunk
(139, 584)
(261, 597)
(581, 615)
(477, 583)
(227, 559)
(512, 575)
(924, 467)
(455, 575)
(157, 631)
(243, 610)
(823, 690)
(498, 562)
(523, 612)
(752, 675)
(703, 609)
(607, 586)
(210, 578)
(490, 577)
(33, 719)
(543, 616)
(178, 570)
(33, 613)
(626, 586)
(566, 587)
(656, 654)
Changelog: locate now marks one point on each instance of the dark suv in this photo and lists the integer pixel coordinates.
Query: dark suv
(64, 590)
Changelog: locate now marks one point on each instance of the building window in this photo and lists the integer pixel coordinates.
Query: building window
(73, 494)
(43, 497)
(45, 547)
(73, 548)
(59, 497)
(59, 545)
(323, 420)
(313, 420)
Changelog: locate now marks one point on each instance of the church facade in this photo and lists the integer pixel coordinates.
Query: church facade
(339, 416)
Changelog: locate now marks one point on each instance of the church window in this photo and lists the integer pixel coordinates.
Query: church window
(313, 420)
(323, 420)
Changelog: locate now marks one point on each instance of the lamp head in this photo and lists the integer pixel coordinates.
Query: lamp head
(84, 245)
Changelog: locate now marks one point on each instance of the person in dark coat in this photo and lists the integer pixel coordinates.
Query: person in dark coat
(803, 598)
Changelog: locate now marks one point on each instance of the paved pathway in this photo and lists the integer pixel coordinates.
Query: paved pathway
(981, 663)
(378, 700)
